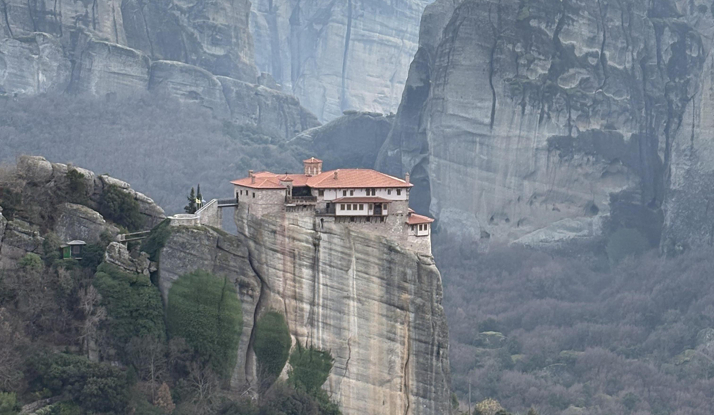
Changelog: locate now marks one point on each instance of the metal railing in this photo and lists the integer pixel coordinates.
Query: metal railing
(226, 202)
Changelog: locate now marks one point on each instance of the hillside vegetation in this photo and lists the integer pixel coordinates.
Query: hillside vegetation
(573, 335)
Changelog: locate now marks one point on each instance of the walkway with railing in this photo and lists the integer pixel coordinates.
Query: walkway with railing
(225, 202)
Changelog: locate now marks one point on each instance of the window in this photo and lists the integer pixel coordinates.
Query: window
(352, 192)
(381, 218)
(344, 193)
(389, 191)
(342, 206)
(352, 218)
(366, 191)
(321, 192)
(354, 206)
(367, 219)
(399, 192)
(373, 190)
(361, 206)
(349, 206)
(253, 194)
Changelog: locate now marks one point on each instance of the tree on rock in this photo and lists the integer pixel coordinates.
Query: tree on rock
(205, 310)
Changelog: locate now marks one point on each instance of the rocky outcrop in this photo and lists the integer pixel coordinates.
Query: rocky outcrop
(351, 141)
(104, 68)
(188, 83)
(271, 112)
(375, 305)
(529, 113)
(211, 34)
(336, 56)
(18, 239)
(80, 222)
(32, 65)
(174, 48)
(46, 185)
(119, 256)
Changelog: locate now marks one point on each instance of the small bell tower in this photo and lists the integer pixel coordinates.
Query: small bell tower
(313, 166)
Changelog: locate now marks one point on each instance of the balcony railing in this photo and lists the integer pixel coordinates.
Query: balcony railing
(307, 200)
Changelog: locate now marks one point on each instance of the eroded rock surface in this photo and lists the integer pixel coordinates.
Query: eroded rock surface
(373, 304)
(175, 48)
(80, 222)
(337, 56)
(191, 249)
(529, 113)
(350, 141)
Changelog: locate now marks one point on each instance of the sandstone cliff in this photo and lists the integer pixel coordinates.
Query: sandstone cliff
(374, 305)
(517, 115)
(195, 51)
(336, 56)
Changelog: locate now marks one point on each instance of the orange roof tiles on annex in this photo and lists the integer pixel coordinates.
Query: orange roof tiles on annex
(415, 219)
(354, 178)
(346, 178)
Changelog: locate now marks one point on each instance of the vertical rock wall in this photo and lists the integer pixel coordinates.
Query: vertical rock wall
(374, 305)
(527, 113)
(337, 56)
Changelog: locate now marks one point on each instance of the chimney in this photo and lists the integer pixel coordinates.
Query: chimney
(406, 178)
(250, 173)
(336, 174)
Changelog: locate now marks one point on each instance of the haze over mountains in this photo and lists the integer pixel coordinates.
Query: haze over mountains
(582, 129)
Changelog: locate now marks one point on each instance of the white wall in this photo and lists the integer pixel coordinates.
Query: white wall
(389, 194)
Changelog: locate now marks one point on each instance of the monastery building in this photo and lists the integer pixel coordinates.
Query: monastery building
(363, 199)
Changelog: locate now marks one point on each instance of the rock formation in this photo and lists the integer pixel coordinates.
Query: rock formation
(336, 56)
(178, 49)
(374, 305)
(519, 114)
(350, 141)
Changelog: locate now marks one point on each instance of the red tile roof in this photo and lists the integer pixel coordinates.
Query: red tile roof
(363, 199)
(346, 178)
(355, 178)
(415, 219)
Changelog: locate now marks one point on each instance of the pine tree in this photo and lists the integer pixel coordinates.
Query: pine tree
(191, 207)
(199, 197)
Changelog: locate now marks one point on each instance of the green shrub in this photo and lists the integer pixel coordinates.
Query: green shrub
(76, 187)
(272, 344)
(205, 310)
(10, 202)
(133, 304)
(157, 240)
(65, 408)
(32, 262)
(92, 256)
(310, 368)
(95, 387)
(625, 242)
(119, 207)
(8, 403)
(51, 248)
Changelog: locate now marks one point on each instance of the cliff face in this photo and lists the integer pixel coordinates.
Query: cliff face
(375, 306)
(196, 51)
(338, 56)
(550, 110)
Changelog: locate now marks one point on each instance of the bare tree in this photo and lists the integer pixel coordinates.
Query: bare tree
(93, 315)
(148, 355)
(204, 383)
